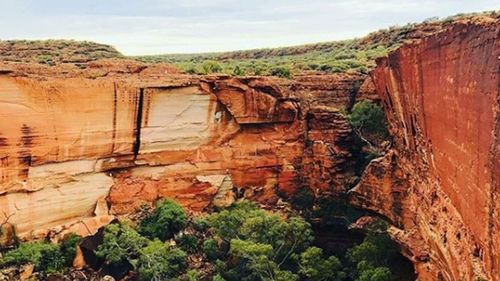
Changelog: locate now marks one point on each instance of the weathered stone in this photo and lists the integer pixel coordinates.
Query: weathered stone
(79, 260)
(26, 272)
(440, 185)
(70, 141)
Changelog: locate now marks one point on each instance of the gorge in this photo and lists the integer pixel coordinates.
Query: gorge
(83, 145)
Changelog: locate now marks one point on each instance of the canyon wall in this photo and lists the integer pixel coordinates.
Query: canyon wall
(439, 184)
(80, 147)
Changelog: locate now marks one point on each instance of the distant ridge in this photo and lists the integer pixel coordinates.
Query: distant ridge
(338, 56)
(55, 51)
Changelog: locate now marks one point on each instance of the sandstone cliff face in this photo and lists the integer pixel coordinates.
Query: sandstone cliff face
(80, 147)
(439, 185)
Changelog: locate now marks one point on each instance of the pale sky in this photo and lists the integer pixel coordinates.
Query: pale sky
(187, 26)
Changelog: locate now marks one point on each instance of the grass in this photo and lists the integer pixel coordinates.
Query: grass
(357, 55)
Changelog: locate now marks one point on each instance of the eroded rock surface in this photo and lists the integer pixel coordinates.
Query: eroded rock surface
(439, 185)
(81, 145)
(132, 134)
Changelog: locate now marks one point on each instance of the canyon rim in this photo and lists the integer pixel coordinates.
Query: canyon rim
(86, 142)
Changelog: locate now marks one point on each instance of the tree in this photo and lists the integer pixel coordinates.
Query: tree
(200, 224)
(167, 219)
(227, 222)
(44, 256)
(262, 244)
(376, 249)
(210, 66)
(315, 268)
(286, 237)
(210, 249)
(283, 72)
(367, 272)
(256, 260)
(217, 277)
(191, 275)
(238, 71)
(120, 243)
(372, 257)
(188, 243)
(159, 262)
(368, 120)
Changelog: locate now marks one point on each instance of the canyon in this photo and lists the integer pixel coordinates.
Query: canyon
(83, 145)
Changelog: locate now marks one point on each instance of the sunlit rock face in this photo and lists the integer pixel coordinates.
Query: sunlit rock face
(80, 146)
(440, 183)
(128, 136)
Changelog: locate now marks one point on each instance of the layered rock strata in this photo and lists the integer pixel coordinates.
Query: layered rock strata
(126, 135)
(439, 185)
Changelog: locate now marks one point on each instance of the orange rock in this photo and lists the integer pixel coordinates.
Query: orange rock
(79, 260)
(440, 183)
(26, 272)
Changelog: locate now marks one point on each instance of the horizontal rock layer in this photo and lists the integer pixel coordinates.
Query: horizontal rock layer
(134, 135)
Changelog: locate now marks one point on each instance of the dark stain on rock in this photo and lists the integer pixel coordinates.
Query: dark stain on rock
(115, 108)
(3, 141)
(26, 136)
(25, 144)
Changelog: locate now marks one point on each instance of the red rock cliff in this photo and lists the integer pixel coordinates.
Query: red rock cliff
(439, 185)
(79, 147)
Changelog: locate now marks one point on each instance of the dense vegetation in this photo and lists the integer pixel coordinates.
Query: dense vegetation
(327, 57)
(44, 256)
(240, 243)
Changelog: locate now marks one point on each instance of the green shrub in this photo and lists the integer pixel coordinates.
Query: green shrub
(68, 247)
(52, 260)
(367, 272)
(43, 255)
(376, 249)
(228, 221)
(255, 261)
(217, 277)
(316, 268)
(210, 249)
(263, 245)
(166, 220)
(120, 243)
(287, 237)
(210, 66)
(188, 243)
(188, 67)
(238, 71)
(44, 59)
(303, 199)
(191, 275)
(200, 224)
(368, 119)
(159, 262)
(283, 72)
